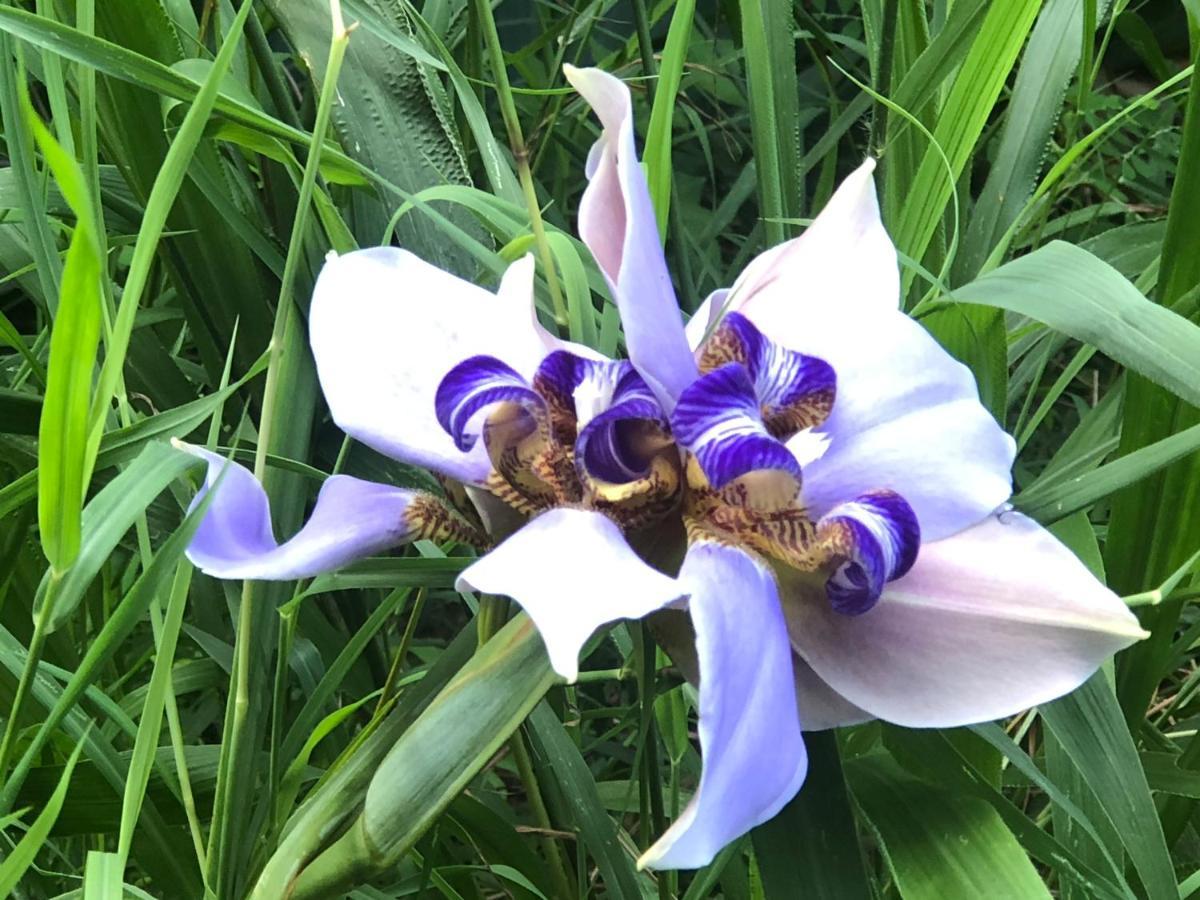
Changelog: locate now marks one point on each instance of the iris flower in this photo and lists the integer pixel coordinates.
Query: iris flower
(823, 467)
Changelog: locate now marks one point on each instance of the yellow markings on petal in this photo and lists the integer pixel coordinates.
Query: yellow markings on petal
(515, 438)
(429, 518)
(807, 411)
(636, 504)
(783, 532)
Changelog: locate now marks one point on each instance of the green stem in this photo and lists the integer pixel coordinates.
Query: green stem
(493, 611)
(533, 791)
(264, 57)
(393, 675)
(229, 780)
(287, 633)
(516, 141)
(32, 659)
(887, 47)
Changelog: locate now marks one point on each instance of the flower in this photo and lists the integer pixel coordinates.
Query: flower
(841, 487)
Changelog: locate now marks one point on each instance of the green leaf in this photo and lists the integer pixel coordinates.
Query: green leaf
(1059, 497)
(390, 115)
(567, 768)
(1047, 66)
(21, 856)
(810, 849)
(940, 844)
(64, 464)
(770, 57)
(107, 518)
(1079, 295)
(436, 757)
(1091, 729)
(659, 134)
(939, 758)
(961, 121)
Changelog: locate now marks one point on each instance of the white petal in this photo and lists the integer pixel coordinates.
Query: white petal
(572, 572)
(907, 415)
(989, 622)
(616, 221)
(845, 255)
(821, 707)
(705, 318)
(753, 752)
(385, 327)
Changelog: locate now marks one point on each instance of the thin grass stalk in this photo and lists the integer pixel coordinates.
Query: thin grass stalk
(235, 738)
(387, 693)
(541, 816)
(520, 152)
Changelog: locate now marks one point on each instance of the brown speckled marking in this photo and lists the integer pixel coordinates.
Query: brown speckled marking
(643, 502)
(807, 411)
(428, 518)
(786, 533)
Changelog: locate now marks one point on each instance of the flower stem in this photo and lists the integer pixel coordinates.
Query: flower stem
(524, 763)
(242, 703)
(393, 675)
(520, 152)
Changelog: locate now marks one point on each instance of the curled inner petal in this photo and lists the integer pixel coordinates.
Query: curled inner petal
(473, 385)
(794, 391)
(718, 419)
(585, 431)
(618, 444)
(874, 540)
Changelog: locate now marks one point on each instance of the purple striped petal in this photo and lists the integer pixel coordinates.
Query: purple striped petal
(613, 446)
(991, 621)
(877, 537)
(754, 757)
(718, 419)
(577, 388)
(907, 416)
(352, 519)
(572, 572)
(794, 391)
(472, 386)
(616, 221)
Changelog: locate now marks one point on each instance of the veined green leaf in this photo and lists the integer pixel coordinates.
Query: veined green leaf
(1074, 292)
(64, 467)
(940, 844)
(1089, 725)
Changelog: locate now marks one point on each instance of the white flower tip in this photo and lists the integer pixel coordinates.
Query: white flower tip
(331, 256)
(190, 449)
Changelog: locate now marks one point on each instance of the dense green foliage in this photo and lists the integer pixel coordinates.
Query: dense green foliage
(176, 171)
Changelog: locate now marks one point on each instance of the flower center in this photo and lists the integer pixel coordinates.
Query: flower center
(582, 432)
(591, 434)
(743, 483)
